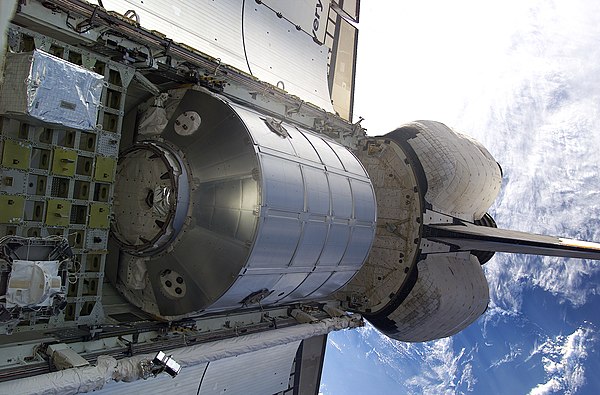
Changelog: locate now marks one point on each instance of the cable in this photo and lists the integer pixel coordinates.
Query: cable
(244, 38)
(202, 378)
(73, 277)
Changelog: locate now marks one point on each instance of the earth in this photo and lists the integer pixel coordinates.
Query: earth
(522, 77)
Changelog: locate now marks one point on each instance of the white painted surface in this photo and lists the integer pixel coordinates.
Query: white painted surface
(264, 371)
(214, 28)
(278, 52)
(245, 35)
(398, 213)
(185, 383)
(450, 293)
(108, 369)
(260, 372)
(462, 176)
(309, 15)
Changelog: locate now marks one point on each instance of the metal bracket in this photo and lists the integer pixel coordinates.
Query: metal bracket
(145, 82)
(276, 127)
(41, 43)
(88, 61)
(255, 297)
(127, 74)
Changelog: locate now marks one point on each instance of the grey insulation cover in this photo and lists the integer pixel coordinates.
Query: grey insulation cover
(49, 89)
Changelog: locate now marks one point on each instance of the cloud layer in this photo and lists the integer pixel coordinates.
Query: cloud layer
(523, 78)
(563, 358)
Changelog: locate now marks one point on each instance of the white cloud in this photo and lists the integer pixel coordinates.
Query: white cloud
(563, 358)
(515, 352)
(527, 85)
(468, 377)
(334, 344)
(441, 369)
(434, 367)
(567, 279)
(545, 105)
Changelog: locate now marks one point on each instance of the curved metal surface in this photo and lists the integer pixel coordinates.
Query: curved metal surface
(274, 207)
(462, 177)
(450, 293)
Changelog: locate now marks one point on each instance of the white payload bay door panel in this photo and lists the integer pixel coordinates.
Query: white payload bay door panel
(209, 27)
(278, 52)
(248, 36)
(265, 371)
(310, 15)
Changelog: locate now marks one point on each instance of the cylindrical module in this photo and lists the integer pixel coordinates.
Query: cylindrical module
(273, 213)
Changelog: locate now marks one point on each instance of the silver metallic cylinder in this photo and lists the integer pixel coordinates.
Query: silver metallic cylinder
(277, 213)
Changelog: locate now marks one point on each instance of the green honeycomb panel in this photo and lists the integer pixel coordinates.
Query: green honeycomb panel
(11, 209)
(105, 169)
(58, 212)
(63, 162)
(16, 155)
(99, 215)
